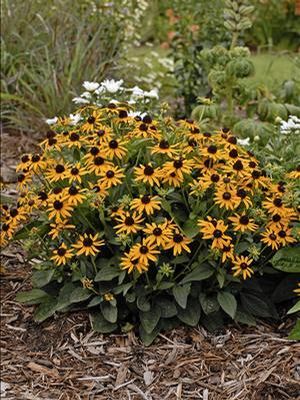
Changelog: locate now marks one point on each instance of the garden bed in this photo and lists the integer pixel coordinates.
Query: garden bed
(63, 359)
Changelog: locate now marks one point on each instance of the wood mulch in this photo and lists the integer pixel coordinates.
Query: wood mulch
(63, 359)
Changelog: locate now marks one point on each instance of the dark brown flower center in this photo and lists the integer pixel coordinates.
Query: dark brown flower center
(146, 199)
(277, 202)
(157, 232)
(73, 191)
(110, 174)
(148, 170)
(178, 164)
(74, 137)
(58, 205)
(147, 119)
(244, 265)
(282, 234)
(226, 196)
(59, 169)
(143, 127)
(87, 242)
(256, 174)
(94, 151)
(231, 139)
(113, 144)
(61, 251)
(212, 149)
(217, 233)
(91, 119)
(129, 221)
(74, 171)
(177, 238)
(101, 132)
(238, 165)
(43, 196)
(241, 193)
(276, 218)
(13, 212)
(98, 161)
(144, 250)
(272, 236)
(244, 220)
(35, 158)
(57, 190)
(123, 114)
(233, 153)
(164, 144)
(25, 159)
(215, 178)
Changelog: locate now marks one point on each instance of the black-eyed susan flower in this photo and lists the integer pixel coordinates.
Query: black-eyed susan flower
(172, 179)
(129, 223)
(243, 223)
(145, 203)
(158, 233)
(215, 230)
(88, 244)
(99, 165)
(112, 177)
(226, 198)
(57, 172)
(164, 147)
(271, 239)
(144, 252)
(58, 228)
(92, 122)
(62, 255)
(213, 152)
(129, 263)
(241, 266)
(147, 174)
(37, 163)
(276, 206)
(178, 243)
(59, 210)
(285, 236)
(227, 252)
(243, 197)
(74, 139)
(74, 195)
(179, 166)
(294, 174)
(114, 149)
(75, 173)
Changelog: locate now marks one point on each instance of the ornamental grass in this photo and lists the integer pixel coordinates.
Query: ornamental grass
(149, 222)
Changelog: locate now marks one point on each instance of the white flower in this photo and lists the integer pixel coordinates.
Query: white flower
(136, 114)
(80, 100)
(90, 86)
(51, 121)
(152, 94)
(292, 125)
(112, 86)
(74, 119)
(137, 92)
(244, 142)
(100, 90)
(86, 95)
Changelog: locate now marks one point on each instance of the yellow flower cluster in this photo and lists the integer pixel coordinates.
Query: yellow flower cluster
(116, 169)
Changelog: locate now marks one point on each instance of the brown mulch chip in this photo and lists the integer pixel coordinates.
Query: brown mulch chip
(63, 359)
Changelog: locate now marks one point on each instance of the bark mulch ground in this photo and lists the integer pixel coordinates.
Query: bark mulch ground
(63, 359)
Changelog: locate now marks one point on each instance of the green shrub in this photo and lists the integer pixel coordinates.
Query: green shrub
(150, 223)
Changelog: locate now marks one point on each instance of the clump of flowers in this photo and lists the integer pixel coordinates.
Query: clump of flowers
(145, 218)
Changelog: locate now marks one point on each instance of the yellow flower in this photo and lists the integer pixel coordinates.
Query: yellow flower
(179, 167)
(226, 198)
(297, 290)
(112, 177)
(271, 239)
(145, 203)
(241, 266)
(243, 223)
(62, 255)
(129, 223)
(58, 228)
(59, 210)
(178, 243)
(88, 245)
(131, 264)
(158, 233)
(108, 296)
(147, 174)
(114, 148)
(164, 147)
(144, 252)
(92, 122)
(214, 229)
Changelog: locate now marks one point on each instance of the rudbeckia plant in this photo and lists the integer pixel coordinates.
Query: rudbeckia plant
(149, 223)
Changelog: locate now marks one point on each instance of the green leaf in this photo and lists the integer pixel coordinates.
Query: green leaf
(244, 318)
(45, 310)
(295, 332)
(42, 278)
(181, 294)
(65, 293)
(95, 301)
(143, 303)
(100, 324)
(221, 277)
(199, 273)
(165, 285)
(255, 305)
(80, 294)
(150, 319)
(107, 273)
(190, 228)
(34, 296)
(284, 290)
(191, 314)
(228, 303)
(167, 306)
(148, 337)
(295, 308)
(209, 304)
(287, 259)
(109, 312)
(213, 321)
